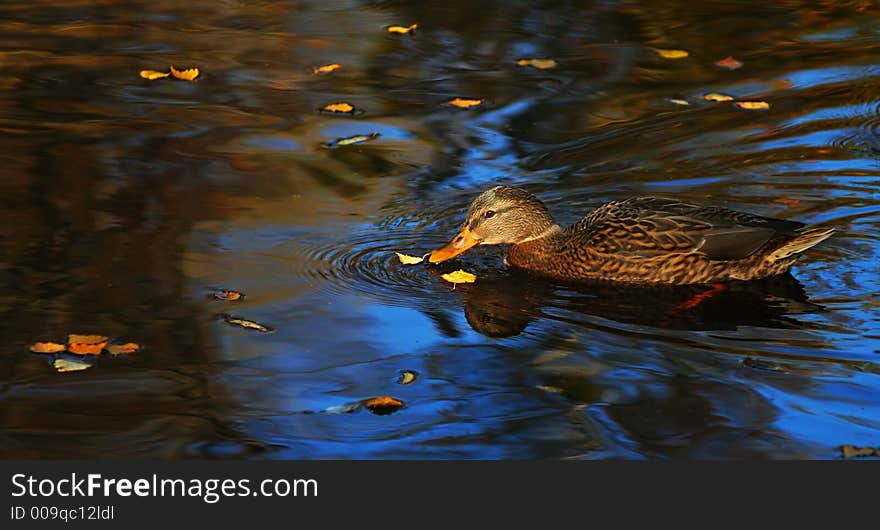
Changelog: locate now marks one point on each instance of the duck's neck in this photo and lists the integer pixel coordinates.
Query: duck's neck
(549, 229)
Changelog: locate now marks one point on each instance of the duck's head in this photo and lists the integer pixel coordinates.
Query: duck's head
(500, 215)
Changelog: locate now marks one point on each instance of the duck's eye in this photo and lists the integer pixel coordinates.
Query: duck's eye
(489, 213)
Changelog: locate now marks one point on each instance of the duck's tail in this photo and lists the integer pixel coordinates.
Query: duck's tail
(801, 241)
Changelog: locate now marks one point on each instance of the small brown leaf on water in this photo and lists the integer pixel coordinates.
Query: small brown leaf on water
(47, 347)
(465, 103)
(671, 54)
(753, 105)
(409, 260)
(340, 108)
(729, 62)
(128, 347)
(86, 344)
(326, 69)
(540, 64)
(459, 276)
(187, 75)
(152, 74)
(715, 96)
(853, 451)
(382, 405)
(228, 295)
(247, 324)
(401, 30)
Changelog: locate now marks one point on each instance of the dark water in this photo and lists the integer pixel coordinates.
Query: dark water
(126, 201)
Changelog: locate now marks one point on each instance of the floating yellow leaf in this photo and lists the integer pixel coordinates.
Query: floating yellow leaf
(128, 347)
(339, 108)
(678, 101)
(465, 103)
(753, 105)
(353, 140)
(541, 64)
(228, 295)
(408, 260)
(247, 324)
(152, 74)
(729, 62)
(383, 405)
(407, 377)
(459, 276)
(715, 96)
(326, 69)
(70, 365)
(86, 344)
(671, 54)
(401, 30)
(853, 451)
(187, 75)
(47, 347)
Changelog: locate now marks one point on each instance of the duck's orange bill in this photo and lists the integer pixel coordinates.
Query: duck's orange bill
(459, 244)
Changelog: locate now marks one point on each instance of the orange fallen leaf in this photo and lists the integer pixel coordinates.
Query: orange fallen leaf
(152, 74)
(128, 347)
(327, 68)
(753, 105)
(854, 451)
(401, 30)
(459, 276)
(382, 405)
(409, 260)
(47, 347)
(339, 108)
(187, 75)
(729, 62)
(715, 96)
(540, 64)
(228, 295)
(465, 103)
(671, 54)
(86, 344)
(70, 365)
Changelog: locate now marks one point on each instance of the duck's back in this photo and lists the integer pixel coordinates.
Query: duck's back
(651, 239)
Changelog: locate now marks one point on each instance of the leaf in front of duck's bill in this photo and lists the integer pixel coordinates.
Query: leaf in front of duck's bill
(382, 405)
(86, 344)
(247, 324)
(465, 103)
(153, 74)
(409, 260)
(671, 54)
(753, 105)
(326, 69)
(715, 96)
(353, 140)
(407, 377)
(854, 451)
(47, 347)
(118, 349)
(459, 276)
(401, 30)
(187, 75)
(340, 108)
(729, 62)
(71, 364)
(540, 64)
(228, 295)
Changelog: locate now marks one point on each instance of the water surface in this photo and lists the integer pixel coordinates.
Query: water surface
(127, 201)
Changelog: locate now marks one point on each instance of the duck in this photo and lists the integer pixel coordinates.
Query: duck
(641, 240)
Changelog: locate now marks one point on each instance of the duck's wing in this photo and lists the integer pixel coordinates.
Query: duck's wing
(650, 226)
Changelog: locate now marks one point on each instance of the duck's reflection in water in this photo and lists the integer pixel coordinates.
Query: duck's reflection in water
(504, 305)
